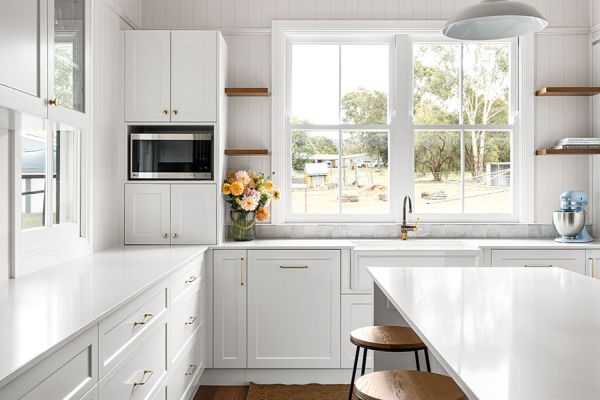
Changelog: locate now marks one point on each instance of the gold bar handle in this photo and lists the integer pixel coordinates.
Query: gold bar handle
(191, 369)
(191, 321)
(537, 266)
(145, 320)
(242, 271)
(145, 378)
(293, 266)
(191, 279)
(593, 266)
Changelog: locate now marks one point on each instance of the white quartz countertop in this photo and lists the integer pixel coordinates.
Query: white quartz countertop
(42, 311)
(260, 244)
(505, 333)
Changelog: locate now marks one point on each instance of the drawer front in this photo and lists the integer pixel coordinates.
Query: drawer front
(185, 320)
(187, 369)
(572, 260)
(141, 374)
(360, 279)
(68, 373)
(186, 280)
(120, 331)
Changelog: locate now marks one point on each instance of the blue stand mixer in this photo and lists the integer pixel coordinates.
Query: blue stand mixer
(569, 222)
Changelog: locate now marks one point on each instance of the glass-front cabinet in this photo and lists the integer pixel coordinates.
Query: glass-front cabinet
(68, 61)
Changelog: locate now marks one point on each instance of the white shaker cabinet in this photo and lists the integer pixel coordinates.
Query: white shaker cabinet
(229, 304)
(147, 214)
(193, 214)
(572, 260)
(148, 76)
(293, 308)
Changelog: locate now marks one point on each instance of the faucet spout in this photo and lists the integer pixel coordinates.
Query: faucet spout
(406, 227)
(404, 208)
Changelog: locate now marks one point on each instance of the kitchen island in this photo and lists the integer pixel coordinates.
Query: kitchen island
(501, 333)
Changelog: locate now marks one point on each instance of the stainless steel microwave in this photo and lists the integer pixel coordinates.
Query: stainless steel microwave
(171, 156)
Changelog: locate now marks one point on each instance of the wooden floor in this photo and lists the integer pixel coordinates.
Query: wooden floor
(221, 393)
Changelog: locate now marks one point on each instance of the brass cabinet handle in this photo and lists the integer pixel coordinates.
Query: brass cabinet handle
(145, 320)
(53, 102)
(593, 266)
(191, 369)
(165, 112)
(191, 321)
(191, 279)
(293, 266)
(145, 378)
(537, 266)
(174, 112)
(242, 271)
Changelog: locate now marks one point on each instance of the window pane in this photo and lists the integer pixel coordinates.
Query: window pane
(365, 85)
(64, 153)
(315, 172)
(437, 172)
(488, 173)
(33, 178)
(365, 173)
(315, 84)
(436, 83)
(486, 83)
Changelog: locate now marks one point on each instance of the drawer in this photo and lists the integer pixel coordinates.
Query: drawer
(70, 372)
(572, 260)
(186, 280)
(187, 369)
(120, 331)
(141, 374)
(185, 320)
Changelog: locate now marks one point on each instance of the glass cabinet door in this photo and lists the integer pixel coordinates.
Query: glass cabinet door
(68, 58)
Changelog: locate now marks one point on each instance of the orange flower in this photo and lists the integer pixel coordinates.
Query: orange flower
(262, 214)
(237, 188)
(226, 188)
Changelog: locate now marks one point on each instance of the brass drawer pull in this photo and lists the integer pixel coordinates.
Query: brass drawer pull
(145, 378)
(191, 279)
(593, 266)
(242, 271)
(191, 321)
(191, 369)
(145, 320)
(537, 266)
(293, 266)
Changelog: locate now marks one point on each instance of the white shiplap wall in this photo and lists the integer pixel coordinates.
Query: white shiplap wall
(562, 58)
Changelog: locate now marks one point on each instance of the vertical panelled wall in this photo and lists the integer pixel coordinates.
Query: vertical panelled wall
(562, 58)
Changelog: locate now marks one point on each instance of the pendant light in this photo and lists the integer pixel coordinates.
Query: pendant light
(494, 19)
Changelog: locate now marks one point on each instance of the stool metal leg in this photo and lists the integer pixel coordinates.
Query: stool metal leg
(354, 373)
(417, 360)
(364, 364)
(427, 360)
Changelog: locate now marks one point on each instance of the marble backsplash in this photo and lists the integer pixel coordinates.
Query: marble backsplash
(388, 231)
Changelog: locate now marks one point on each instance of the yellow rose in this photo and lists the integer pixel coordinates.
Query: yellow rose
(237, 188)
(268, 185)
(276, 194)
(226, 188)
(262, 214)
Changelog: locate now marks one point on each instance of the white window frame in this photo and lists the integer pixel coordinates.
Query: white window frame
(39, 248)
(405, 32)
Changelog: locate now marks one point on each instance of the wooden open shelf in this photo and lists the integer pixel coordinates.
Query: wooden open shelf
(246, 152)
(547, 152)
(248, 92)
(568, 91)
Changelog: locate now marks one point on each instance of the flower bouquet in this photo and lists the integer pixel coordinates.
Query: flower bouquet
(248, 193)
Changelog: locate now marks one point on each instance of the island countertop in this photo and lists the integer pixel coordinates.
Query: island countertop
(504, 333)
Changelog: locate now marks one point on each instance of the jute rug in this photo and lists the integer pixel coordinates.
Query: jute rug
(297, 392)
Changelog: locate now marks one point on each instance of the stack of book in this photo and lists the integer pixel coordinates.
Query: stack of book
(583, 143)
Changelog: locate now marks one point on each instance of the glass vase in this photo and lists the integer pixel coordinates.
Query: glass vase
(242, 225)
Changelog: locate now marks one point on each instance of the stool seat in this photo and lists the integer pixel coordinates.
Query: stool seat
(387, 338)
(407, 385)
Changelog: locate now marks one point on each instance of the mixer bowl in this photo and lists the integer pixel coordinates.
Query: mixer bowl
(568, 224)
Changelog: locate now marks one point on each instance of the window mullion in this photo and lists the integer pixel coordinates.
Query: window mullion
(340, 148)
(49, 176)
(462, 131)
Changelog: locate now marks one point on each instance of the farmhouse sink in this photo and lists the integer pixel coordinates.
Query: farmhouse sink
(412, 244)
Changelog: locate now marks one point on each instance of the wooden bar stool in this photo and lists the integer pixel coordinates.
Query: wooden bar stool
(407, 385)
(398, 339)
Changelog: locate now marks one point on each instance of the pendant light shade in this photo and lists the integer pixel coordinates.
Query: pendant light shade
(495, 19)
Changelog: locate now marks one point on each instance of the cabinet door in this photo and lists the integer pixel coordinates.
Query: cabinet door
(592, 263)
(293, 309)
(147, 214)
(23, 39)
(573, 260)
(229, 308)
(193, 216)
(69, 23)
(193, 76)
(147, 75)
(357, 311)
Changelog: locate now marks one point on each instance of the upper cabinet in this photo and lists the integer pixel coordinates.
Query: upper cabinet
(47, 43)
(171, 76)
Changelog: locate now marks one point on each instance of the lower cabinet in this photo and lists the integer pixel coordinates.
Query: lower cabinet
(572, 260)
(186, 371)
(357, 311)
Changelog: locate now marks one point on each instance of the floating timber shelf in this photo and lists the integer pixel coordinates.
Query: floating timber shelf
(547, 152)
(247, 152)
(568, 91)
(248, 92)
